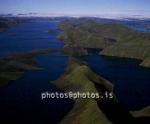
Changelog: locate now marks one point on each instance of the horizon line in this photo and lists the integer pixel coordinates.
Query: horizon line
(104, 15)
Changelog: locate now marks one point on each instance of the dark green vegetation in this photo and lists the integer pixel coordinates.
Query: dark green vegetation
(13, 66)
(6, 23)
(114, 39)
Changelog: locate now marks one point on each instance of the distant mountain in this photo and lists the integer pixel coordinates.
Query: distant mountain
(6, 15)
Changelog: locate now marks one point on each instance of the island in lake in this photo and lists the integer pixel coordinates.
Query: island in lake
(7, 22)
(68, 42)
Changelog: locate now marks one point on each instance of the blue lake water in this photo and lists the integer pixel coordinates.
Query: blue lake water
(21, 99)
(27, 36)
(131, 82)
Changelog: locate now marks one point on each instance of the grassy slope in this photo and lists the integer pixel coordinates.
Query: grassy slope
(80, 78)
(114, 39)
(91, 34)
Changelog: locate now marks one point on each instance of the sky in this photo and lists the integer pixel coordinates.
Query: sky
(77, 7)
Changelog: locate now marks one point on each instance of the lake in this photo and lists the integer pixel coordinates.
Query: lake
(21, 100)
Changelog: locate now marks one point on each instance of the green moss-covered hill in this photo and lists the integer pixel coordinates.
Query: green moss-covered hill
(80, 78)
(114, 39)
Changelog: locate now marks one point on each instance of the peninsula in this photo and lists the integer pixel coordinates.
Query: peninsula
(13, 66)
(113, 39)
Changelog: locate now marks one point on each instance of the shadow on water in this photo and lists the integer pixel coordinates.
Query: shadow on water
(115, 112)
(32, 115)
(118, 115)
(131, 82)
